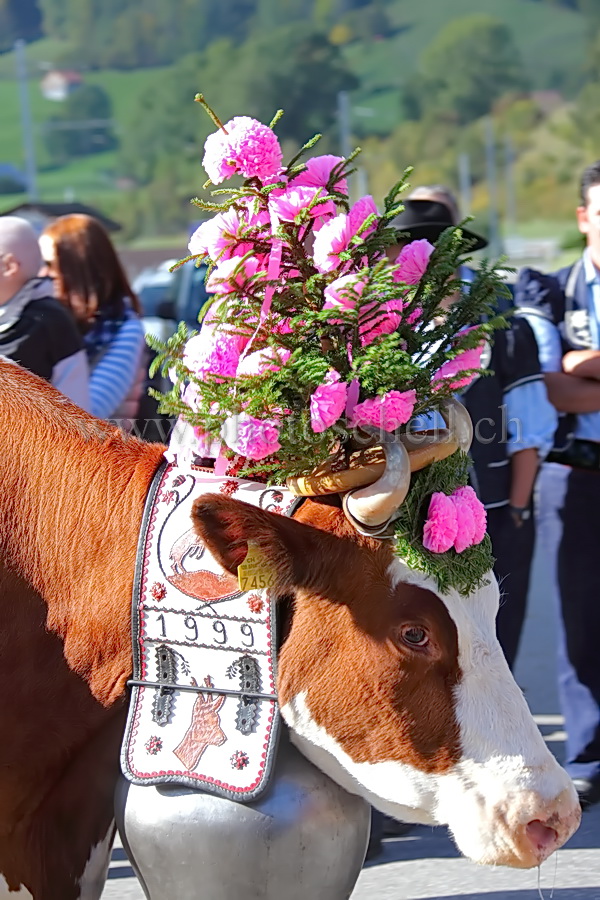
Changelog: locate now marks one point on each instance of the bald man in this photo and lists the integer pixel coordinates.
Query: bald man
(36, 331)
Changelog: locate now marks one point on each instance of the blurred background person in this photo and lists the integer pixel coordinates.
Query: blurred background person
(89, 279)
(35, 330)
(564, 311)
(513, 421)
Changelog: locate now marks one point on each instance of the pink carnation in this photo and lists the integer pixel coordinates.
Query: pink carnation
(250, 437)
(219, 237)
(469, 359)
(262, 360)
(467, 497)
(232, 274)
(466, 524)
(344, 292)
(441, 527)
(335, 235)
(384, 318)
(216, 355)
(360, 212)
(412, 261)
(318, 172)
(328, 402)
(289, 203)
(244, 146)
(387, 412)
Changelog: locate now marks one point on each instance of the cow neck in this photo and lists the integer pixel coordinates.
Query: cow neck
(70, 510)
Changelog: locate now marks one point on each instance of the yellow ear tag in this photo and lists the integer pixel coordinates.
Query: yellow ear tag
(255, 573)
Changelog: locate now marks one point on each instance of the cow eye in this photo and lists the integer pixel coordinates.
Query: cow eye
(414, 636)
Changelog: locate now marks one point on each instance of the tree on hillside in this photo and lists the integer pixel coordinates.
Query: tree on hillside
(129, 34)
(295, 68)
(83, 126)
(19, 19)
(472, 62)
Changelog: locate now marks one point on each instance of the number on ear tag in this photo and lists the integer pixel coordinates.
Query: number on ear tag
(256, 572)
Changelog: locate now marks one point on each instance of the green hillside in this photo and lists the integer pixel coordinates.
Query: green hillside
(550, 38)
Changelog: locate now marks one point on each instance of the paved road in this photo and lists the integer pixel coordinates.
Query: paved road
(424, 865)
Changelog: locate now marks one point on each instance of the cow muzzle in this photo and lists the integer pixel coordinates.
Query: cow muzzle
(522, 831)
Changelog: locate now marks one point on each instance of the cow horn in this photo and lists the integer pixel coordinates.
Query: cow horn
(458, 422)
(371, 508)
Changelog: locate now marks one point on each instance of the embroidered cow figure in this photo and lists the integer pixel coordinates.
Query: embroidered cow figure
(395, 690)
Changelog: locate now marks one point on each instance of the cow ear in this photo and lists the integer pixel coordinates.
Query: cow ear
(297, 553)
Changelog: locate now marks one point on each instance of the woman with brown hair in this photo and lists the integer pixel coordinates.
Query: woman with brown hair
(89, 279)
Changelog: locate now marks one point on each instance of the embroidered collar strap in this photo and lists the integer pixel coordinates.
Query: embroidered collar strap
(203, 710)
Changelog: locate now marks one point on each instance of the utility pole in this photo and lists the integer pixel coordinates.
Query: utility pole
(490, 165)
(343, 115)
(464, 183)
(510, 215)
(26, 120)
(344, 122)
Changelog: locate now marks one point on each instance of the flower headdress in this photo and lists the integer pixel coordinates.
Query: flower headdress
(316, 349)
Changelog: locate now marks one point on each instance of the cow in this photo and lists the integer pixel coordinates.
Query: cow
(393, 689)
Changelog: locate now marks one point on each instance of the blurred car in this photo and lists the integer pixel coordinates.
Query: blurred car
(168, 298)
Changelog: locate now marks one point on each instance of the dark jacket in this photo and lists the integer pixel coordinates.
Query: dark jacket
(561, 298)
(37, 332)
(513, 362)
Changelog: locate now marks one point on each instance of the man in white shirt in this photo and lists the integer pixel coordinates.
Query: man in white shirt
(563, 310)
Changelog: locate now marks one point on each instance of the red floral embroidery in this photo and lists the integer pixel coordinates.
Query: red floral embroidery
(277, 509)
(153, 745)
(170, 497)
(255, 603)
(158, 591)
(229, 486)
(239, 760)
(178, 480)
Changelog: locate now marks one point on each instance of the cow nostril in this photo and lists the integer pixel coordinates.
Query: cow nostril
(543, 838)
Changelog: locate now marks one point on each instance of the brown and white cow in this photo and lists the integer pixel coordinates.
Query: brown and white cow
(399, 693)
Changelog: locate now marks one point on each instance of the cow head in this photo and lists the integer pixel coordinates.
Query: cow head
(398, 692)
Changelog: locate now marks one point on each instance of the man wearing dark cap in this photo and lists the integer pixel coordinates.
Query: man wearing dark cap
(512, 418)
(563, 309)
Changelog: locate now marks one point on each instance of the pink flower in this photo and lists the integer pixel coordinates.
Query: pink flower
(386, 321)
(246, 147)
(212, 329)
(318, 172)
(288, 204)
(467, 496)
(328, 402)
(335, 235)
(262, 360)
(219, 237)
(469, 359)
(232, 274)
(359, 214)
(216, 153)
(333, 238)
(387, 412)
(344, 292)
(215, 352)
(441, 527)
(250, 437)
(465, 520)
(376, 319)
(412, 261)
